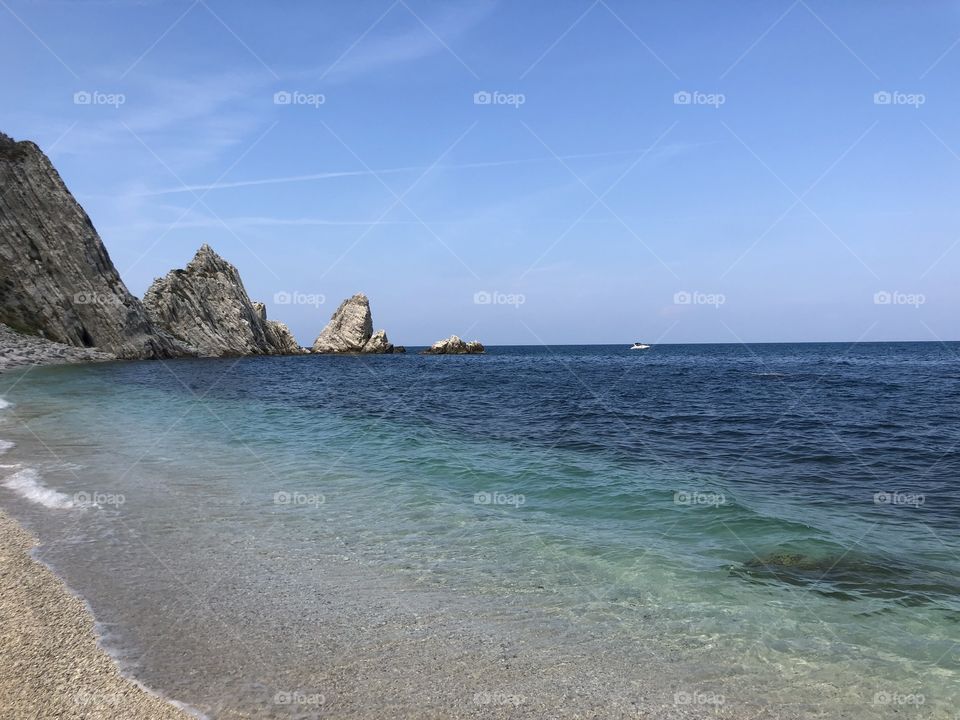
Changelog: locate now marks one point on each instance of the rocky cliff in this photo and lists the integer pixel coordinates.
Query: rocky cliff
(206, 307)
(56, 279)
(350, 330)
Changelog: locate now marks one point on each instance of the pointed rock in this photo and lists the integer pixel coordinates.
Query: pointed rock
(206, 306)
(350, 330)
(56, 278)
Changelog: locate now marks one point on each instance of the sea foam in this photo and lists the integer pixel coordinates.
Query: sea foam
(4, 403)
(5, 445)
(26, 483)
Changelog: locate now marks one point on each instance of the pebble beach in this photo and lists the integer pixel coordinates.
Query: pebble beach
(50, 663)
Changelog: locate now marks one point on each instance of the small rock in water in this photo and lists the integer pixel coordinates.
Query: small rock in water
(453, 345)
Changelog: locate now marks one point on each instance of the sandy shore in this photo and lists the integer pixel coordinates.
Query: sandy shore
(17, 350)
(50, 663)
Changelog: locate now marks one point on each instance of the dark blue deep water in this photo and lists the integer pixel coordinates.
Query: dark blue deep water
(791, 511)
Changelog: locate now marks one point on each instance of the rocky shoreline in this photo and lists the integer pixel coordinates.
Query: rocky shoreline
(57, 280)
(50, 663)
(58, 284)
(18, 350)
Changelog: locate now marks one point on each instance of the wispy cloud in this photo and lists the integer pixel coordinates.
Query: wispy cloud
(215, 108)
(237, 223)
(393, 171)
(241, 223)
(421, 37)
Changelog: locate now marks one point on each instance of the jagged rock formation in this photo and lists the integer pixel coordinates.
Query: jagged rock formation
(453, 345)
(206, 307)
(56, 278)
(350, 330)
(278, 334)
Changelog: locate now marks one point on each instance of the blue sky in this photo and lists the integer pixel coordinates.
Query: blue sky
(587, 202)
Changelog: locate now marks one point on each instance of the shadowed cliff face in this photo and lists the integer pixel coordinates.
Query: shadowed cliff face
(207, 307)
(56, 278)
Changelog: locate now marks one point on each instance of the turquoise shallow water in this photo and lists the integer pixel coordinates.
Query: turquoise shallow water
(773, 525)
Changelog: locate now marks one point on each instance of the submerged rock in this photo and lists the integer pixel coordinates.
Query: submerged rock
(350, 330)
(796, 561)
(206, 306)
(849, 575)
(453, 345)
(56, 279)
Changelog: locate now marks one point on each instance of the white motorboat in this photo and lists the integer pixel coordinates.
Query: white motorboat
(639, 346)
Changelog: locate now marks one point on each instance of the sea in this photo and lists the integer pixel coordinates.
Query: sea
(743, 531)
